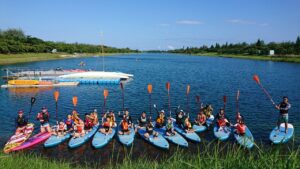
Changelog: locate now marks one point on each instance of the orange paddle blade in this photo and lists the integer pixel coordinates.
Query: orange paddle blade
(168, 85)
(56, 95)
(75, 100)
(149, 88)
(188, 89)
(256, 78)
(105, 93)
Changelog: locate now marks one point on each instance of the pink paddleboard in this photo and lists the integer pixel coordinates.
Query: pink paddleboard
(34, 140)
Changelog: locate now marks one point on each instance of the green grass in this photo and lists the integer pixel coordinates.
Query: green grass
(6, 59)
(293, 59)
(211, 155)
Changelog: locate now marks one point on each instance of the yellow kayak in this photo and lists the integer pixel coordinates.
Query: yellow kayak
(23, 82)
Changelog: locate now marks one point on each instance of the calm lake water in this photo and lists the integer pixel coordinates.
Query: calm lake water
(209, 77)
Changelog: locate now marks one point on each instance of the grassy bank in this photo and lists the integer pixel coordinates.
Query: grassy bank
(6, 59)
(293, 59)
(211, 156)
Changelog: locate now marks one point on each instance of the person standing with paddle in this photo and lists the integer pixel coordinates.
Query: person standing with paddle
(283, 108)
(43, 117)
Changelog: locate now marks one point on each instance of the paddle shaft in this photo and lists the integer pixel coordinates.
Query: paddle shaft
(32, 101)
(266, 92)
(123, 99)
(150, 103)
(169, 103)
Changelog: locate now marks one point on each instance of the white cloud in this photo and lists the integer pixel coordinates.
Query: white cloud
(189, 22)
(241, 21)
(170, 47)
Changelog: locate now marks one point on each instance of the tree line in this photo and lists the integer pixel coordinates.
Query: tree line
(257, 48)
(15, 41)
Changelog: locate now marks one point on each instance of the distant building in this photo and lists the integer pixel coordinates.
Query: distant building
(271, 52)
(54, 51)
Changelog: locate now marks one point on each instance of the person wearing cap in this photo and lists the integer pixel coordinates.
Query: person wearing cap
(21, 122)
(126, 115)
(283, 108)
(43, 117)
(160, 120)
(111, 116)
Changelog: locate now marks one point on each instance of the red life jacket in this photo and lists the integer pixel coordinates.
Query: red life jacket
(124, 125)
(222, 122)
(79, 129)
(241, 129)
(106, 124)
(201, 119)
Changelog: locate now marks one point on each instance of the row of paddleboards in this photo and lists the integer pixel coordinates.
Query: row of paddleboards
(21, 141)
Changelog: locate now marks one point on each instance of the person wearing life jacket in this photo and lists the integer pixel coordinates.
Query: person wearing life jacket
(69, 123)
(106, 126)
(180, 118)
(170, 127)
(188, 125)
(43, 118)
(201, 118)
(88, 123)
(112, 117)
(150, 130)
(94, 117)
(240, 128)
(127, 116)
(160, 120)
(208, 110)
(222, 120)
(75, 117)
(79, 129)
(21, 122)
(124, 126)
(60, 129)
(283, 108)
(239, 117)
(142, 121)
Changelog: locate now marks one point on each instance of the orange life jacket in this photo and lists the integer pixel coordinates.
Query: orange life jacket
(241, 129)
(79, 129)
(106, 124)
(124, 125)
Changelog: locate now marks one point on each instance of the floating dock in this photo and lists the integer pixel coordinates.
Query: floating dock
(60, 84)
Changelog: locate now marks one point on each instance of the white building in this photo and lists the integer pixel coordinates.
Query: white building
(271, 52)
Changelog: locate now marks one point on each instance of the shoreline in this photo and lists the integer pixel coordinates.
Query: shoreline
(10, 59)
(289, 59)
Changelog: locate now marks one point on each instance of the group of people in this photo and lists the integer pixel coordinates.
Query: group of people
(80, 127)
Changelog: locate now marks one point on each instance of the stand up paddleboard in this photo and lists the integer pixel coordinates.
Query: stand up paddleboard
(222, 133)
(76, 142)
(279, 136)
(126, 139)
(101, 140)
(158, 141)
(247, 140)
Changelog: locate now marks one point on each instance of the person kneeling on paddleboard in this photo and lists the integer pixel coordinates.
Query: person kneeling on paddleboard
(88, 123)
(222, 119)
(240, 128)
(69, 123)
(283, 108)
(127, 116)
(160, 120)
(208, 110)
(43, 117)
(107, 126)
(94, 117)
(112, 118)
(201, 118)
(124, 126)
(150, 130)
(21, 122)
(170, 128)
(79, 129)
(188, 125)
(60, 129)
(75, 117)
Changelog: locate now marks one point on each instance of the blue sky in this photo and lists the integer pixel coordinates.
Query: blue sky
(154, 24)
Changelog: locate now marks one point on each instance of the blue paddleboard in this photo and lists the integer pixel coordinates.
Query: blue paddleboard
(279, 136)
(126, 139)
(158, 141)
(56, 140)
(247, 140)
(222, 133)
(101, 140)
(76, 142)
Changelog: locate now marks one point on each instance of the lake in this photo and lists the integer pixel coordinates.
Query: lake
(208, 77)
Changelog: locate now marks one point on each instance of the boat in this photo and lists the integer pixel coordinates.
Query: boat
(101, 140)
(76, 142)
(17, 139)
(222, 133)
(126, 139)
(159, 141)
(278, 136)
(97, 75)
(199, 129)
(247, 140)
(190, 136)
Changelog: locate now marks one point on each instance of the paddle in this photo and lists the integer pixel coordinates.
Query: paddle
(168, 89)
(198, 99)
(56, 95)
(105, 94)
(224, 100)
(74, 100)
(237, 101)
(122, 88)
(256, 79)
(187, 99)
(32, 101)
(150, 101)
